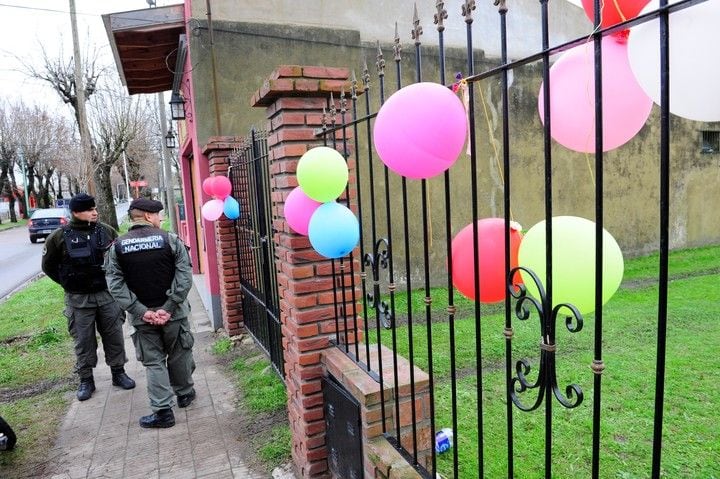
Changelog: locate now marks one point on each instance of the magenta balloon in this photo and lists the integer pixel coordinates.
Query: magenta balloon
(299, 207)
(221, 187)
(208, 185)
(420, 130)
(212, 210)
(626, 107)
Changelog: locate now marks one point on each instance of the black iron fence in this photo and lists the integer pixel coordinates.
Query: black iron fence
(408, 225)
(250, 180)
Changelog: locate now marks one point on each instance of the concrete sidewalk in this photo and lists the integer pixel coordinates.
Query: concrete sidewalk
(101, 438)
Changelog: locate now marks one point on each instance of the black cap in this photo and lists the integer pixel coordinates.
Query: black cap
(82, 202)
(145, 204)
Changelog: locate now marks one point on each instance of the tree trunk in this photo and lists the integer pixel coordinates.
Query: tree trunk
(104, 198)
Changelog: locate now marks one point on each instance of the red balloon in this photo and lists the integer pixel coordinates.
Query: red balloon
(491, 259)
(614, 11)
(208, 185)
(222, 187)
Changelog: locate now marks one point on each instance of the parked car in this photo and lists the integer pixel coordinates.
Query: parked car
(45, 221)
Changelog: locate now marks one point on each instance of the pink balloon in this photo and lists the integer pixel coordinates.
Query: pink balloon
(212, 210)
(420, 130)
(222, 187)
(208, 185)
(299, 207)
(626, 107)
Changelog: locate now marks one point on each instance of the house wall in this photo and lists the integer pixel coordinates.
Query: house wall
(375, 20)
(247, 52)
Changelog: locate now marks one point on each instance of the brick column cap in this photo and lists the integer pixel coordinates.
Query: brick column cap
(302, 81)
(221, 143)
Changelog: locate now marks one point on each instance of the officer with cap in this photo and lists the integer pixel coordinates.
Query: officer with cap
(149, 274)
(73, 257)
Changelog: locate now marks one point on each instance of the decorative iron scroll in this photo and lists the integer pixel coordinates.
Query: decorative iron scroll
(379, 259)
(547, 377)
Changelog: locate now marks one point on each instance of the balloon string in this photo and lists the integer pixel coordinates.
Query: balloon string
(619, 10)
(491, 137)
(592, 176)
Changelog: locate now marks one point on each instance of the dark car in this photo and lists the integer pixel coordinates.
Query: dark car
(45, 221)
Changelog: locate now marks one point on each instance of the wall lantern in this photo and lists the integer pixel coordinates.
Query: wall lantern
(177, 107)
(170, 141)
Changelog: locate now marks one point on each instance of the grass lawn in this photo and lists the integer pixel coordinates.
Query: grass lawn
(36, 363)
(691, 442)
(263, 403)
(6, 224)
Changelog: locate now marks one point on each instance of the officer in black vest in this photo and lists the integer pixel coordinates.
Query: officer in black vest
(150, 275)
(73, 257)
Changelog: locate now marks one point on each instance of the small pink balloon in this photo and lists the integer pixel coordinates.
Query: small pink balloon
(222, 187)
(626, 107)
(212, 210)
(299, 207)
(420, 130)
(208, 185)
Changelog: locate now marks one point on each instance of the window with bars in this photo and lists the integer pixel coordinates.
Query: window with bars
(710, 142)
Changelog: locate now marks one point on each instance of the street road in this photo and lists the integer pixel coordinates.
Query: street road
(20, 259)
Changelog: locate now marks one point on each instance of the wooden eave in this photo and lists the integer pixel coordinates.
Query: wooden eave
(145, 45)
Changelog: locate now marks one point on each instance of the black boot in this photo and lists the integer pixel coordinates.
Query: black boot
(184, 400)
(160, 419)
(119, 378)
(86, 388)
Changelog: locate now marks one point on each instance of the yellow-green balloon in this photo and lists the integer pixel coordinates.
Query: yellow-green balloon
(573, 262)
(322, 174)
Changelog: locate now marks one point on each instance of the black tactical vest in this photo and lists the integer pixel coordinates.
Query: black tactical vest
(148, 263)
(81, 269)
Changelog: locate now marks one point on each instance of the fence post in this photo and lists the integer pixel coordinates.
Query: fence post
(294, 98)
(217, 151)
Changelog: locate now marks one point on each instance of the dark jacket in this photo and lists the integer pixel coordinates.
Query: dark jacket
(80, 269)
(176, 302)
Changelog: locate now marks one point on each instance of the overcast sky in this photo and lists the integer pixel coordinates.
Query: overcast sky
(27, 24)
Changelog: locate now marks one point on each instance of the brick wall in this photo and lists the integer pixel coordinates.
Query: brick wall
(294, 98)
(217, 151)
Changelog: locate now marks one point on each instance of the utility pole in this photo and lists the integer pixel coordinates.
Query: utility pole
(86, 164)
(169, 182)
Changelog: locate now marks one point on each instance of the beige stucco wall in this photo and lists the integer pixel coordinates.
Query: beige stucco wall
(248, 52)
(375, 20)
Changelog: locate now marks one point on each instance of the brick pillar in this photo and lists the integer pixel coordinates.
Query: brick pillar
(217, 151)
(294, 97)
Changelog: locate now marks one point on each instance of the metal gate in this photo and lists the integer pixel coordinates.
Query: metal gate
(253, 230)
(535, 397)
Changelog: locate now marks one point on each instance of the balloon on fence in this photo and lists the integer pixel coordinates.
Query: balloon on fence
(626, 107)
(573, 262)
(231, 208)
(333, 230)
(420, 130)
(491, 258)
(212, 209)
(208, 185)
(322, 174)
(613, 11)
(221, 187)
(694, 72)
(298, 210)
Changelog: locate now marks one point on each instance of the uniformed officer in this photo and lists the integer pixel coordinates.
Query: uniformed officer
(150, 275)
(73, 257)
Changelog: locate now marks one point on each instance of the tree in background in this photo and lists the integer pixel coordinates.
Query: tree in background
(117, 121)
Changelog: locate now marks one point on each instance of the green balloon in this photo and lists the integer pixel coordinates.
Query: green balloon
(573, 262)
(322, 174)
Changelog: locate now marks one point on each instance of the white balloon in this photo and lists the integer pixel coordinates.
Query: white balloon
(694, 68)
